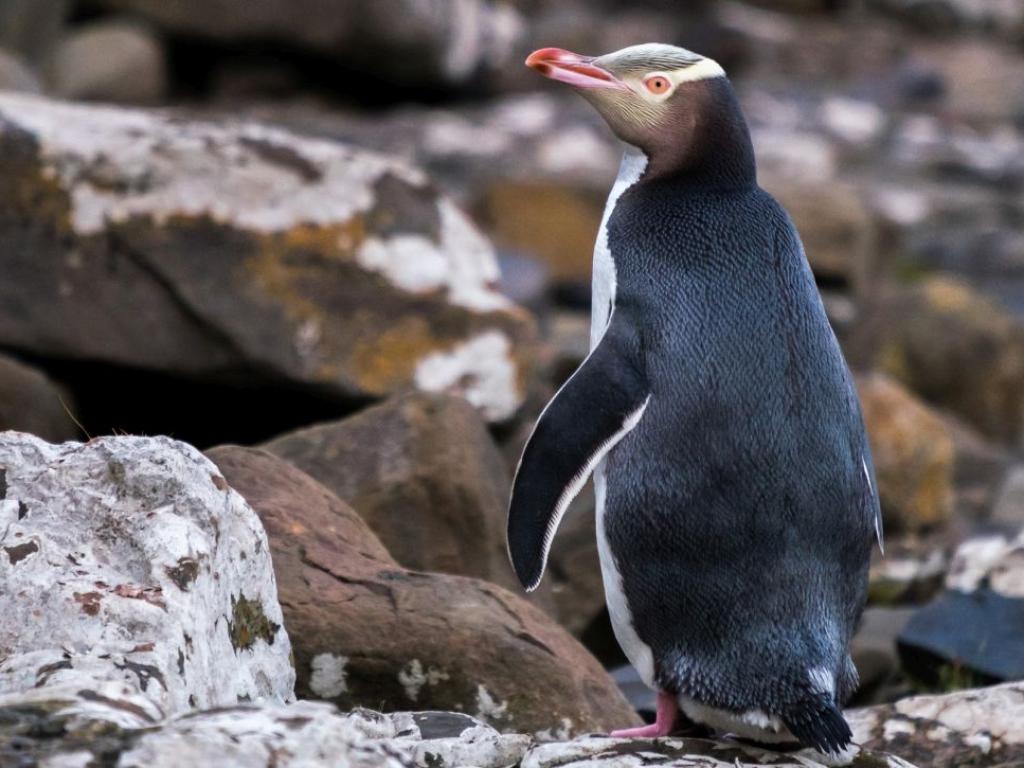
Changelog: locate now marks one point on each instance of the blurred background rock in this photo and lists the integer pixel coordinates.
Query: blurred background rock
(442, 204)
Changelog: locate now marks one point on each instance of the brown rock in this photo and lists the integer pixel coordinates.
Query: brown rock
(913, 454)
(140, 239)
(367, 631)
(30, 402)
(954, 347)
(426, 476)
(557, 223)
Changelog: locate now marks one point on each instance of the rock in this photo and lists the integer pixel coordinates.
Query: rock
(974, 633)
(366, 630)
(835, 226)
(1008, 509)
(951, 345)
(31, 402)
(134, 584)
(437, 44)
(596, 751)
(913, 455)
(978, 727)
(426, 476)
(978, 475)
(110, 60)
(906, 577)
(192, 248)
(295, 736)
(873, 650)
(15, 74)
(31, 28)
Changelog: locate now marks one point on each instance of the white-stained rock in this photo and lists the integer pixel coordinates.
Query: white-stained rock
(240, 247)
(134, 583)
(975, 727)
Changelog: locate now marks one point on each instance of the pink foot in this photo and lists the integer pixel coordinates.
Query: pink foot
(662, 725)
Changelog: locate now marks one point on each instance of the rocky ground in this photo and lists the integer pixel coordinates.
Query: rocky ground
(339, 252)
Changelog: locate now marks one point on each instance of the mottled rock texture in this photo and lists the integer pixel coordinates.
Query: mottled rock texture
(980, 727)
(31, 402)
(436, 43)
(292, 736)
(368, 632)
(913, 454)
(134, 583)
(424, 473)
(598, 752)
(142, 239)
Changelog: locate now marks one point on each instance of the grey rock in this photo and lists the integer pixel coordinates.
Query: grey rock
(1008, 509)
(134, 584)
(979, 727)
(16, 75)
(31, 402)
(32, 27)
(110, 60)
(438, 43)
(874, 650)
(974, 633)
(199, 248)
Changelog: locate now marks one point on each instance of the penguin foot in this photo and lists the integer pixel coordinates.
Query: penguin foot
(662, 725)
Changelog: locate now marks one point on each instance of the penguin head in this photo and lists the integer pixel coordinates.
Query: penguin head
(671, 103)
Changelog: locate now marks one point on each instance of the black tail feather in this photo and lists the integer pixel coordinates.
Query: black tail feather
(820, 725)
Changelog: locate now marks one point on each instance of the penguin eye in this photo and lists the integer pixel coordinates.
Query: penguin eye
(657, 84)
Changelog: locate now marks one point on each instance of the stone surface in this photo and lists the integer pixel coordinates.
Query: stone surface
(31, 402)
(424, 473)
(874, 652)
(596, 751)
(142, 239)
(951, 345)
(109, 60)
(367, 631)
(31, 27)
(974, 633)
(969, 728)
(913, 454)
(404, 42)
(293, 736)
(910, 576)
(134, 583)
(16, 75)
(1008, 509)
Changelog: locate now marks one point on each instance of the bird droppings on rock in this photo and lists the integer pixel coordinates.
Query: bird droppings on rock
(327, 675)
(290, 258)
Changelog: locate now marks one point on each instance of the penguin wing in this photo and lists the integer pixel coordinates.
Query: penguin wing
(600, 403)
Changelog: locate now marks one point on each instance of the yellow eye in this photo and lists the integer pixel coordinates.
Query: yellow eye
(657, 84)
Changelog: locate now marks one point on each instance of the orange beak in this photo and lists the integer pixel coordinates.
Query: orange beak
(567, 67)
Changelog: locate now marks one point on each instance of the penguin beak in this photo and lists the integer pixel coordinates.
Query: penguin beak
(571, 68)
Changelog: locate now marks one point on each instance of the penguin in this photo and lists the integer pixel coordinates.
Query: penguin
(736, 497)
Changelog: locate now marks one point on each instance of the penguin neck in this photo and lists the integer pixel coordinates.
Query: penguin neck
(706, 146)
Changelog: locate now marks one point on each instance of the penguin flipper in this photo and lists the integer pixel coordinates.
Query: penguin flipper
(599, 404)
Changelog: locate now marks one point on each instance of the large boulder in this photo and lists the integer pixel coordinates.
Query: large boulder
(913, 454)
(146, 240)
(309, 734)
(949, 344)
(438, 43)
(134, 583)
(31, 402)
(424, 473)
(969, 728)
(368, 632)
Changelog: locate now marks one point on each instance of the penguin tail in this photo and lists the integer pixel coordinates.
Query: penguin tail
(821, 725)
